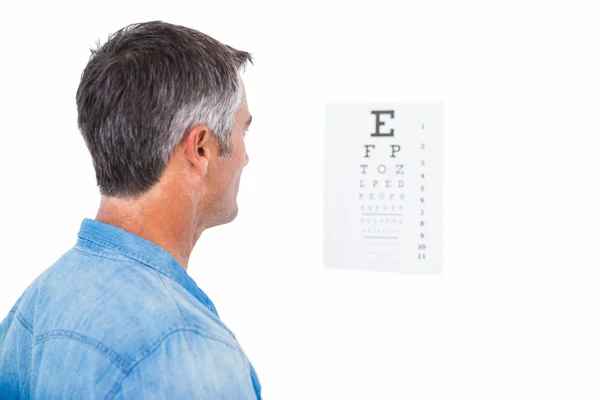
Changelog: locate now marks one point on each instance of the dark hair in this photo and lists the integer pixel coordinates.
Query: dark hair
(143, 90)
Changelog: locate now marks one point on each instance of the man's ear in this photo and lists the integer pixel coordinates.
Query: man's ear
(198, 148)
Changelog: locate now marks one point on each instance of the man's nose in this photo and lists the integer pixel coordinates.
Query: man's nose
(247, 160)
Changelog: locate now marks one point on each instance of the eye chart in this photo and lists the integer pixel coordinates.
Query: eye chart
(383, 186)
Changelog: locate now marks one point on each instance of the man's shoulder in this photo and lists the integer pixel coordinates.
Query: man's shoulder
(125, 324)
(116, 304)
(186, 364)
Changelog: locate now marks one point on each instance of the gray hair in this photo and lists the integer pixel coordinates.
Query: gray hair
(141, 93)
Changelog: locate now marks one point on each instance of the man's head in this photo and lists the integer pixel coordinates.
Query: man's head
(162, 109)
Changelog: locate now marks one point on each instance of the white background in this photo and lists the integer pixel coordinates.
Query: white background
(513, 314)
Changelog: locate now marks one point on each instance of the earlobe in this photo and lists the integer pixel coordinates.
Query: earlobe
(202, 158)
(203, 165)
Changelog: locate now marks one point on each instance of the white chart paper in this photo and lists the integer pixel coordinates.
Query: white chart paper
(383, 186)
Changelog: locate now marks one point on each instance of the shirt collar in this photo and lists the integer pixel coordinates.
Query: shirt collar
(144, 251)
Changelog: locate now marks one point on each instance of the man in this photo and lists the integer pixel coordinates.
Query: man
(163, 112)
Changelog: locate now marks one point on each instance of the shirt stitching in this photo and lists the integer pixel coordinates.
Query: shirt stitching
(117, 386)
(168, 291)
(22, 320)
(134, 262)
(122, 250)
(113, 356)
(145, 353)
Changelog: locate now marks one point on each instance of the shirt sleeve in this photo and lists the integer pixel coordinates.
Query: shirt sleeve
(187, 365)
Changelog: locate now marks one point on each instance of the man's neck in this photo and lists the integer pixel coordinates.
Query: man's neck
(157, 222)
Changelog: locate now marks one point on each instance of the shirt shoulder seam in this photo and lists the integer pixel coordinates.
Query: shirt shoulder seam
(22, 320)
(112, 355)
(119, 382)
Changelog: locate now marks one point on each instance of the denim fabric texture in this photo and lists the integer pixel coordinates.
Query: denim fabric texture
(117, 317)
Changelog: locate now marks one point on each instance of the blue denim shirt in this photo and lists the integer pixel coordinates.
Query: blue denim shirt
(117, 317)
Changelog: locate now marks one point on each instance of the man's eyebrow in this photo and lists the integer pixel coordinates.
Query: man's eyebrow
(249, 121)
